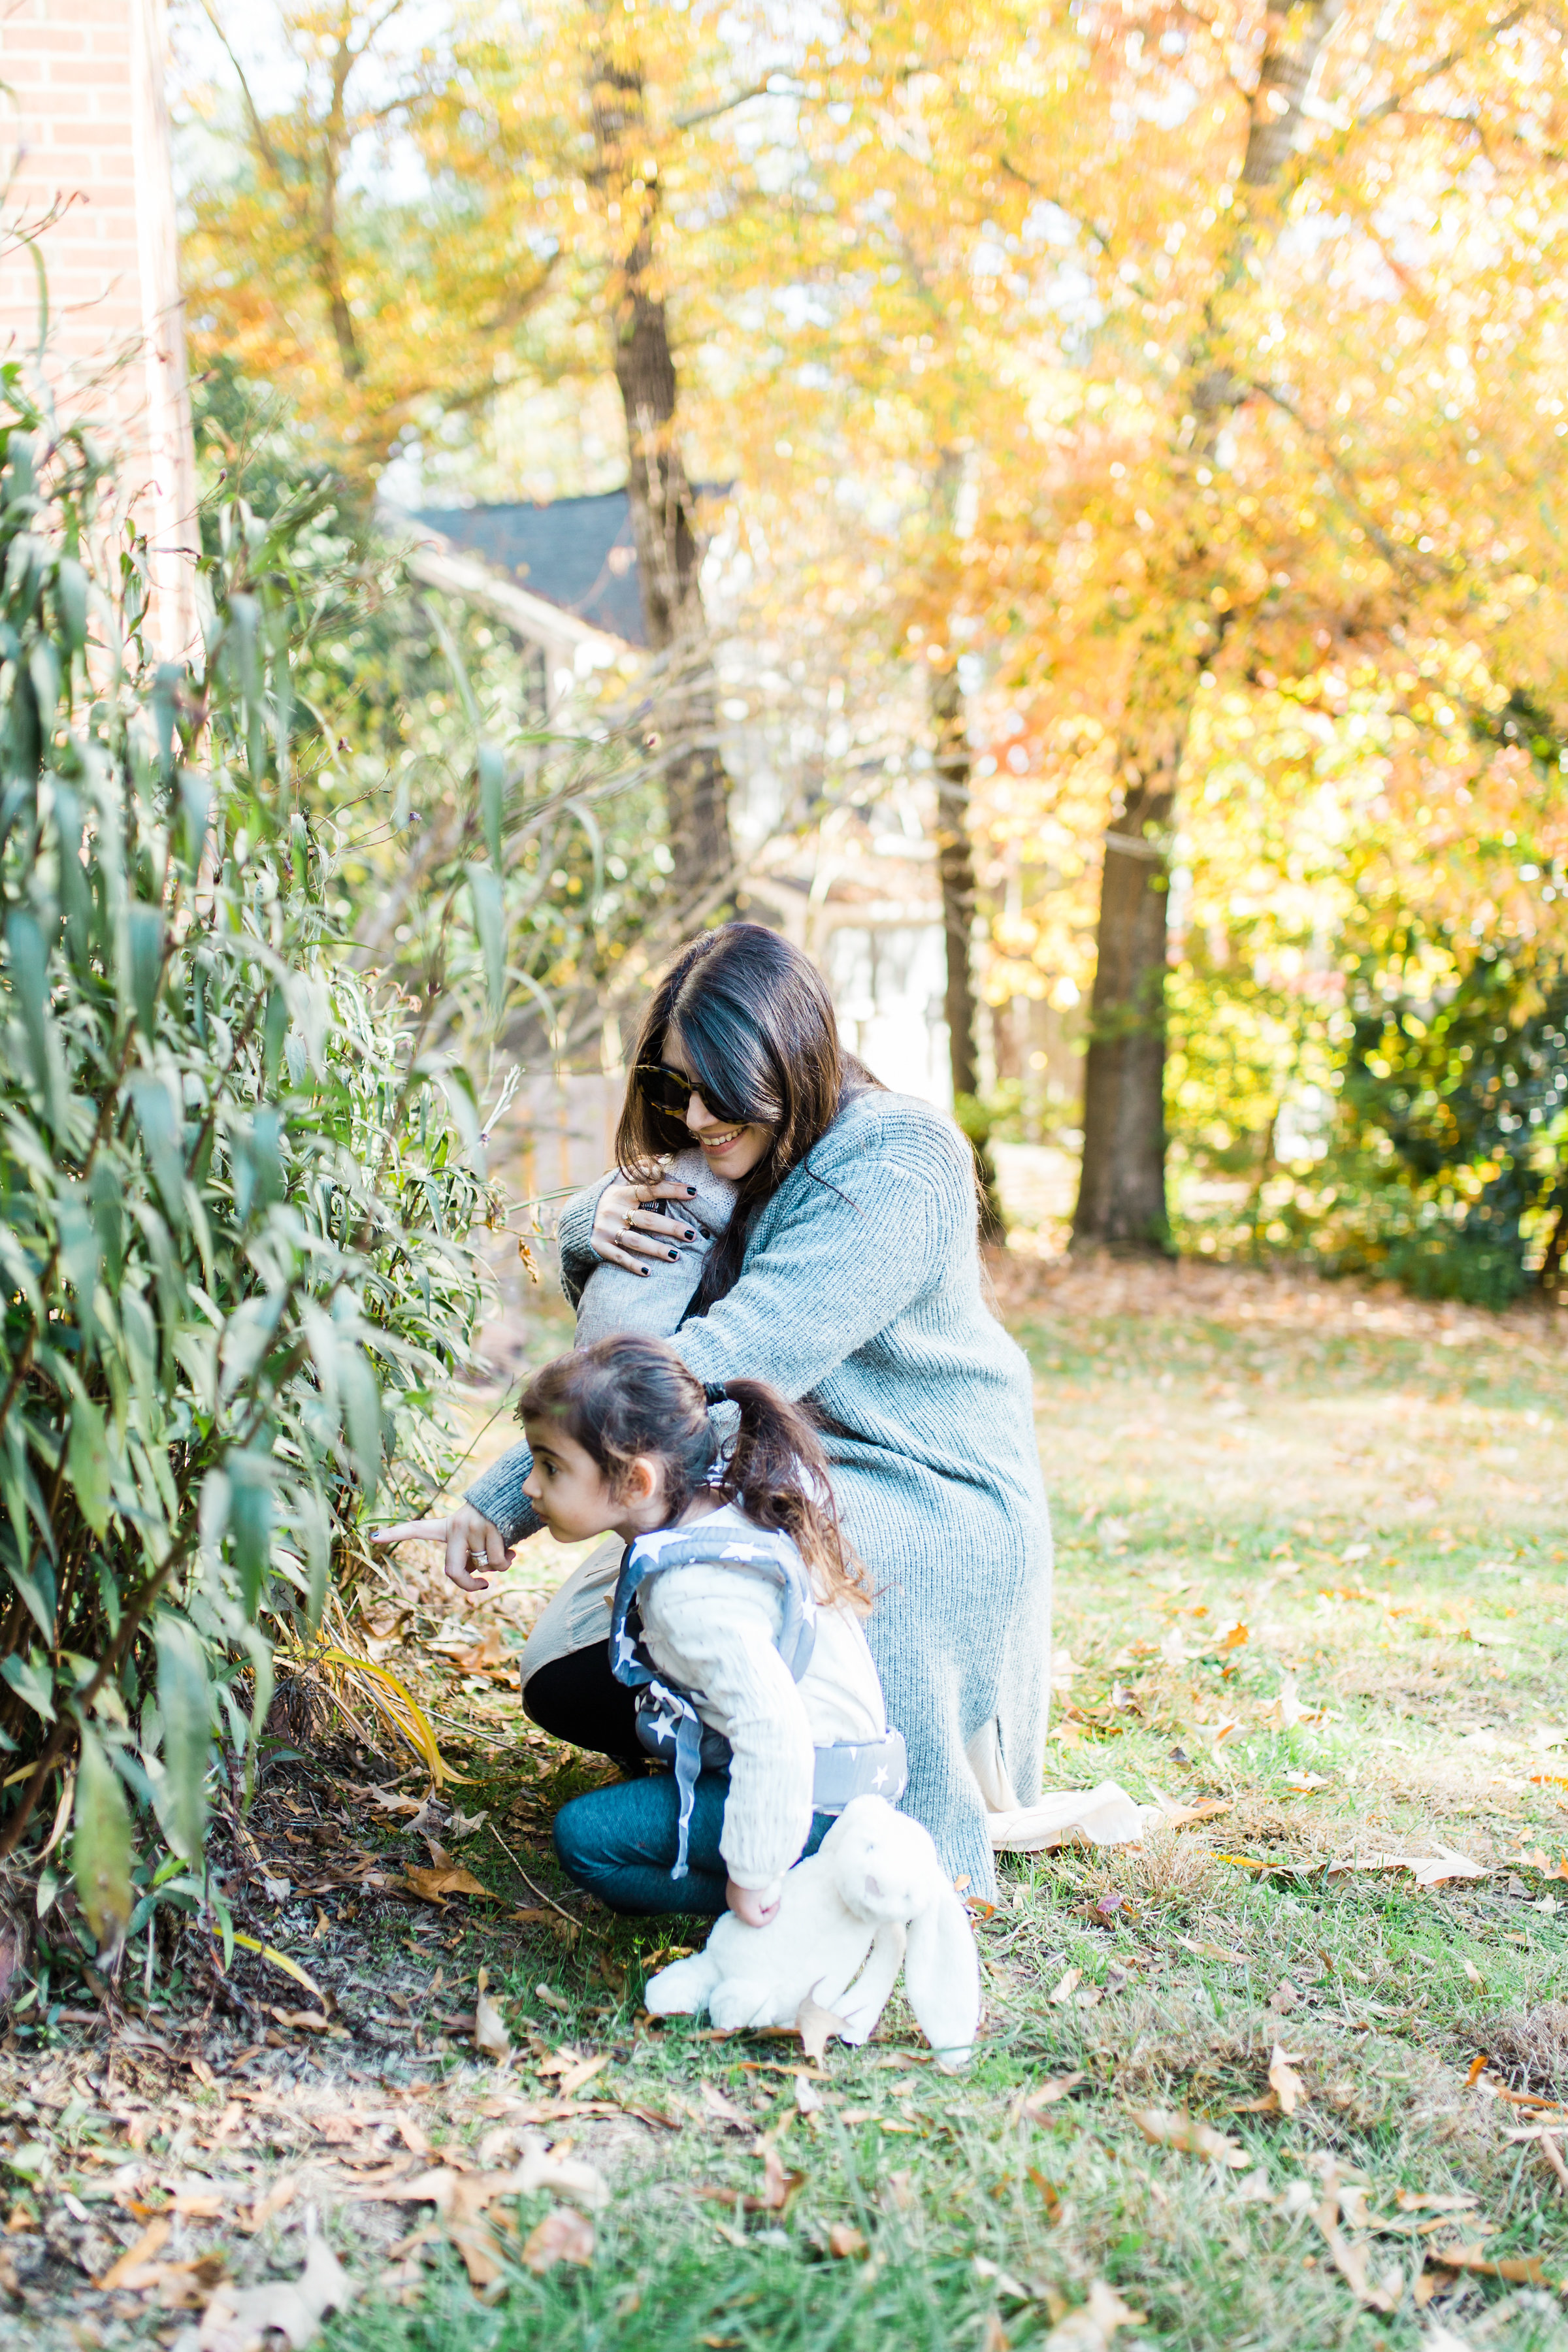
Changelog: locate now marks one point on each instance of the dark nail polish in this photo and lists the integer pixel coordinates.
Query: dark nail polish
(672, 1254)
(688, 1235)
(692, 1192)
(643, 1271)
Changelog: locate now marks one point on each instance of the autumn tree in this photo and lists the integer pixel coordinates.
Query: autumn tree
(364, 311)
(1279, 290)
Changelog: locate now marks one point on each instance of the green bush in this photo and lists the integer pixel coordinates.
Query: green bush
(234, 1209)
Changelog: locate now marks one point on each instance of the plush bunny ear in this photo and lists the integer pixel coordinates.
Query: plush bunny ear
(941, 1976)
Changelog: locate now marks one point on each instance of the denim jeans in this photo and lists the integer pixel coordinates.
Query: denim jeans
(620, 1844)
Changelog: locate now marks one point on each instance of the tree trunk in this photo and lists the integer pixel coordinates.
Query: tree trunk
(663, 525)
(1122, 1189)
(955, 865)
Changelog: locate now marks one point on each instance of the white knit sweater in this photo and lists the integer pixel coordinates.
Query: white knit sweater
(715, 1630)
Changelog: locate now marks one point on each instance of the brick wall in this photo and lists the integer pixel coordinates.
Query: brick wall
(86, 127)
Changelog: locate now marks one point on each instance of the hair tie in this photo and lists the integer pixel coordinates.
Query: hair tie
(715, 1393)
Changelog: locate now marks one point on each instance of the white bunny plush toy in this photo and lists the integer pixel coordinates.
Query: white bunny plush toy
(873, 1897)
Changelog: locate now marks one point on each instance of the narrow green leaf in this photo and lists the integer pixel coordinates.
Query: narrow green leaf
(195, 814)
(492, 794)
(31, 1680)
(185, 1703)
(250, 1517)
(489, 922)
(88, 1464)
(275, 1029)
(101, 1847)
(161, 1140)
(359, 1394)
(145, 925)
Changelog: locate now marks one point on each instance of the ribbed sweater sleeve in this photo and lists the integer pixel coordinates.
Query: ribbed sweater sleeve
(715, 1630)
(857, 1247)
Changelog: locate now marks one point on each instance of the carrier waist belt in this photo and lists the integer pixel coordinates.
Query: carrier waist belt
(845, 1768)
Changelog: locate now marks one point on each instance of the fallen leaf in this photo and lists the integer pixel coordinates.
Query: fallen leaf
(778, 2186)
(845, 2242)
(1189, 2136)
(1047, 2095)
(994, 2336)
(1284, 1998)
(1474, 1974)
(1231, 1636)
(1300, 1783)
(808, 2099)
(560, 2237)
(816, 2027)
(490, 2035)
(1408, 2203)
(1180, 1817)
(1352, 2263)
(462, 1825)
(282, 2194)
(1284, 2082)
(1092, 2326)
(1520, 2270)
(303, 2021)
(581, 2071)
(1427, 1870)
(553, 2000)
(441, 1880)
(1067, 1988)
(715, 2102)
(122, 2271)
(1213, 1952)
(985, 2268)
(239, 2319)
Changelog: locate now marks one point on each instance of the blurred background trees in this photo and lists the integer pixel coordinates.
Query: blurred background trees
(1126, 438)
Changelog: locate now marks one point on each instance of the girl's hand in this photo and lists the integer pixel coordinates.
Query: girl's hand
(470, 1539)
(627, 1232)
(753, 1906)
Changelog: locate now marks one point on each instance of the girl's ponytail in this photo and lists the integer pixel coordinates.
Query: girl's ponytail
(777, 1473)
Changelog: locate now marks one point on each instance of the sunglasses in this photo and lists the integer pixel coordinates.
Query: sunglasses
(670, 1091)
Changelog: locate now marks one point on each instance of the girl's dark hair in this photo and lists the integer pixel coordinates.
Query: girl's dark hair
(761, 1043)
(628, 1396)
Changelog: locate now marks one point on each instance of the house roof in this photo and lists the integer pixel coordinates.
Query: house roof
(578, 553)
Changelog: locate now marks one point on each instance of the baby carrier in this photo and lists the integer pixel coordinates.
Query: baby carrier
(668, 1723)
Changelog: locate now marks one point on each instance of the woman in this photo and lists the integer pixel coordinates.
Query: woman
(848, 1275)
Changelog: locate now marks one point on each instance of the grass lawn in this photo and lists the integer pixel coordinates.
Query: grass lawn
(1313, 1595)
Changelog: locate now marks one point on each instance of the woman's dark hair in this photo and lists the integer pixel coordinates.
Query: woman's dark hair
(760, 1040)
(628, 1396)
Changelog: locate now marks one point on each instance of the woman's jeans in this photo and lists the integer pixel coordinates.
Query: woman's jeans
(620, 1844)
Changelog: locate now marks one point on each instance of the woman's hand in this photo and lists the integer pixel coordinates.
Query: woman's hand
(626, 1233)
(470, 1539)
(752, 1906)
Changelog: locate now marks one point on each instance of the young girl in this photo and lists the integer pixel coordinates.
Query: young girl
(736, 1619)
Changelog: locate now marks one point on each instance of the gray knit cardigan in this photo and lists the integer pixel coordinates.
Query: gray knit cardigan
(861, 1292)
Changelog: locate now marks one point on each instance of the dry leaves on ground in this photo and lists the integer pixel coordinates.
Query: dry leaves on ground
(443, 1879)
(1188, 2135)
(846, 2243)
(1283, 2080)
(241, 2319)
(560, 2237)
(1090, 2327)
(1425, 1869)
(816, 2027)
